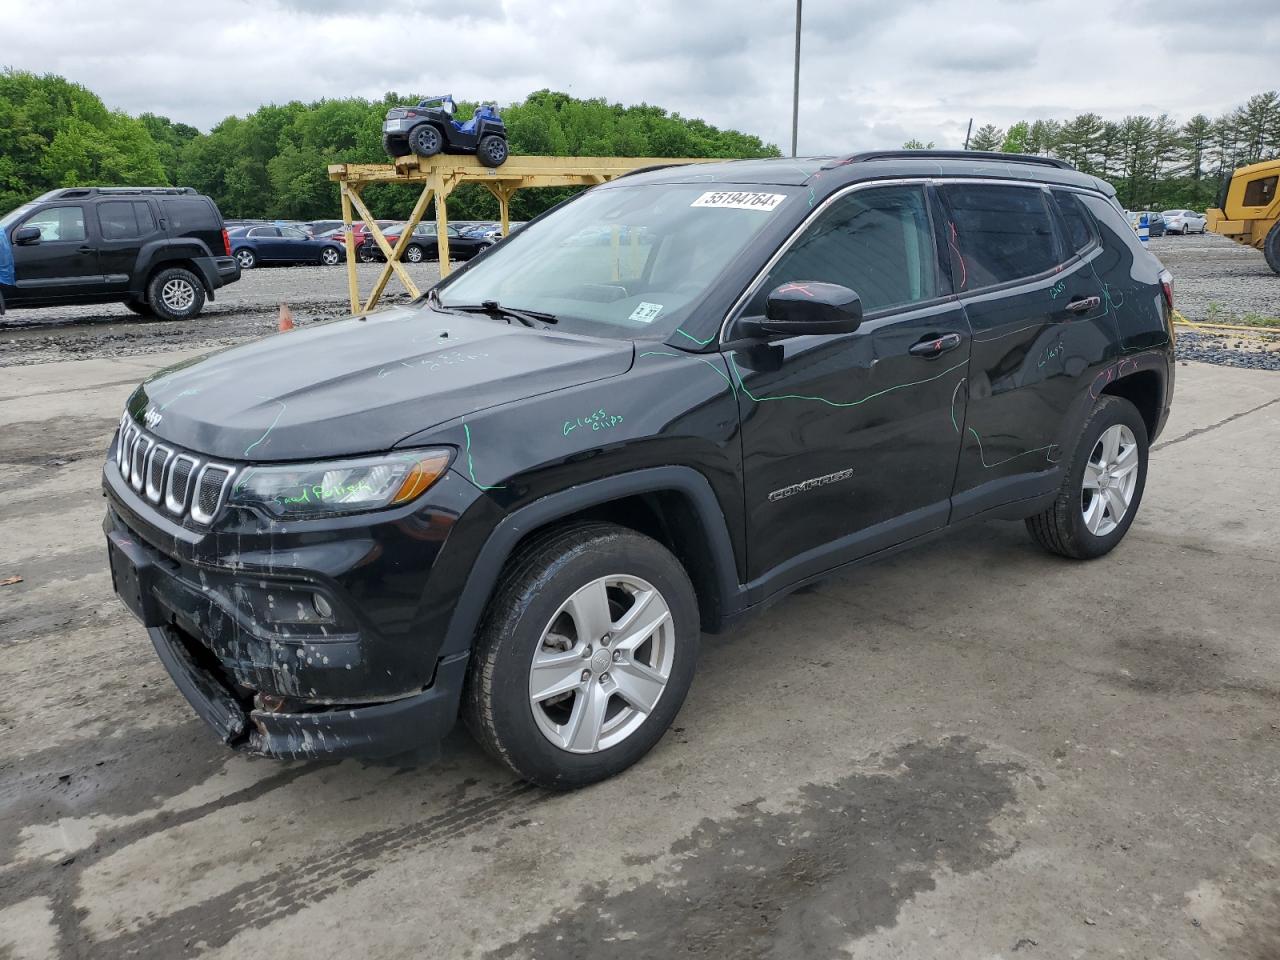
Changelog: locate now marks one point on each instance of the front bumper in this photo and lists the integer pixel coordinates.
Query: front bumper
(230, 610)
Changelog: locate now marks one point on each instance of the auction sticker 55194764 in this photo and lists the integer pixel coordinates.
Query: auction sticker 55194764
(737, 200)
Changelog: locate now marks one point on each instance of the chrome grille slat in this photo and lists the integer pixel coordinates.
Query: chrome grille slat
(179, 483)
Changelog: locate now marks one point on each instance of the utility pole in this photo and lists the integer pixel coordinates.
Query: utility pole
(967, 132)
(795, 90)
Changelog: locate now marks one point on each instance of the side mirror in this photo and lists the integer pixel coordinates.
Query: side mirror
(26, 235)
(809, 306)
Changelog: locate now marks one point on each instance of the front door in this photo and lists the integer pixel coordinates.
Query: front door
(850, 440)
(60, 266)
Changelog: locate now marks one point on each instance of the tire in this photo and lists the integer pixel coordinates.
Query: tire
(395, 146)
(413, 254)
(492, 150)
(1064, 528)
(426, 140)
(1186, 229)
(1271, 248)
(139, 307)
(330, 256)
(246, 258)
(527, 617)
(175, 294)
(366, 254)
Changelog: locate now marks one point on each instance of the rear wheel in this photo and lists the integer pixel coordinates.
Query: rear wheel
(585, 655)
(414, 254)
(426, 140)
(1271, 248)
(139, 307)
(175, 294)
(492, 150)
(330, 256)
(1186, 228)
(395, 146)
(246, 258)
(1102, 486)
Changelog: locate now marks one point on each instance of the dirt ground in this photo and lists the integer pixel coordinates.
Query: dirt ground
(972, 750)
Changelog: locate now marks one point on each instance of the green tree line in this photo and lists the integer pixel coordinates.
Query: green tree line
(272, 163)
(1154, 162)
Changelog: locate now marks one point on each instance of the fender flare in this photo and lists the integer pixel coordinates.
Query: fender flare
(488, 565)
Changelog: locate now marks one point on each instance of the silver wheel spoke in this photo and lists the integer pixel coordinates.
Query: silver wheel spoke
(646, 615)
(1117, 503)
(1091, 474)
(1094, 513)
(638, 684)
(582, 732)
(1110, 445)
(1126, 462)
(554, 673)
(589, 608)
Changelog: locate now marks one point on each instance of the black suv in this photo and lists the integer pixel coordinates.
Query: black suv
(522, 497)
(158, 250)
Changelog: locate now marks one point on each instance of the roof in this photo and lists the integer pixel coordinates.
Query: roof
(837, 171)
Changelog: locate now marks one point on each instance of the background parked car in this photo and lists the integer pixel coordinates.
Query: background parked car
(359, 232)
(270, 244)
(1183, 221)
(1155, 222)
(317, 227)
(423, 245)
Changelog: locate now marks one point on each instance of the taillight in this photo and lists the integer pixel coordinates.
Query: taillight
(226, 243)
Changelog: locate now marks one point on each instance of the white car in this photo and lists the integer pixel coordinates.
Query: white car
(1183, 221)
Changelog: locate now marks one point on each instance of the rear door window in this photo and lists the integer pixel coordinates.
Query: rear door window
(1000, 234)
(877, 242)
(117, 220)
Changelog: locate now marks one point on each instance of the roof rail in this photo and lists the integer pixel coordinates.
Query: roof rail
(68, 192)
(948, 155)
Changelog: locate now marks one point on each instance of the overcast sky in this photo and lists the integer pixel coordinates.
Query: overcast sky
(873, 74)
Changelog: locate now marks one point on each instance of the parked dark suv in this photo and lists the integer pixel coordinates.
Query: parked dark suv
(158, 250)
(523, 496)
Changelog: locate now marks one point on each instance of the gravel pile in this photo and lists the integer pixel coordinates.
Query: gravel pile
(1229, 352)
(1218, 280)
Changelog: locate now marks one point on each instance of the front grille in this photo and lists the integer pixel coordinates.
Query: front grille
(180, 484)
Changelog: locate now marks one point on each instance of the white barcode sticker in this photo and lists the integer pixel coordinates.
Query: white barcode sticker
(739, 200)
(646, 312)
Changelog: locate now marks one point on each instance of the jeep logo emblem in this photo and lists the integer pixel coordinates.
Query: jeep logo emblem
(152, 417)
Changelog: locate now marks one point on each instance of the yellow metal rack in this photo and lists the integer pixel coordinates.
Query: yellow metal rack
(440, 176)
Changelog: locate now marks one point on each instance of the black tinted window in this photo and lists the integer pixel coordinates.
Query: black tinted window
(1076, 219)
(189, 214)
(1000, 234)
(146, 221)
(877, 242)
(117, 220)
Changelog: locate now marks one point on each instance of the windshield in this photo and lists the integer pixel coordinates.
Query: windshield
(622, 261)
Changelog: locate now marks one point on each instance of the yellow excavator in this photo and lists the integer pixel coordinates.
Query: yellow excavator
(1248, 209)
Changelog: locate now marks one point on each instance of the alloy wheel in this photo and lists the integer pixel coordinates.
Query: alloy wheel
(178, 295)
(329, 256)
(1110, 478)
(602, 664)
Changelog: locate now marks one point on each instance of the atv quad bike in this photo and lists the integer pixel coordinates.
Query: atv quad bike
(429, 128)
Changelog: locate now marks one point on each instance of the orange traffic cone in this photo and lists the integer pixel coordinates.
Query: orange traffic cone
(286, 318)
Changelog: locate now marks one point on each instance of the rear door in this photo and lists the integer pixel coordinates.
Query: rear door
(848, 441)
(62, 265)
(1038, 314)
(125, 225)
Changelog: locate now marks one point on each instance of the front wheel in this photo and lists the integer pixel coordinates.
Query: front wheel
(1271, 248)
(175, 294)
(414, 254)
(395, 146)
(139, 307)
(492, 150)
(585, 655)
(1185, 229)
(366, 255)
(246, 258)
(1102, 486)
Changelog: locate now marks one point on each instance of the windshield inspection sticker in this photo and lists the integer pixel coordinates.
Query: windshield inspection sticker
(646, 312)
(739, 201)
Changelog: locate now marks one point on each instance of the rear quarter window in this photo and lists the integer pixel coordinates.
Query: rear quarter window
(1079, 225)
(190, 214)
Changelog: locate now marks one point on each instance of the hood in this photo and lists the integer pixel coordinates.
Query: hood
(359, 386)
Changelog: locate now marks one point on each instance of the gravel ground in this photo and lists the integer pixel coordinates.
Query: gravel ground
(1214, 279)
(241, 311)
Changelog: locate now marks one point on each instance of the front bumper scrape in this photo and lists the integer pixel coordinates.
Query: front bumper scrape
(366, 730)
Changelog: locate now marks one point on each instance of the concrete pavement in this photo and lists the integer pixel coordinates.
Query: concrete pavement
(1043, 758)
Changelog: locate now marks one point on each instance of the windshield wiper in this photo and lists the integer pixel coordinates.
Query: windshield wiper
(530, 318)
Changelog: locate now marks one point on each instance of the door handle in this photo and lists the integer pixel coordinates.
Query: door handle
(935, 346)
(84, 249)
(1081, 304)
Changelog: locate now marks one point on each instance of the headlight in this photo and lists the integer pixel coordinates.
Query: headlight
(339, 486)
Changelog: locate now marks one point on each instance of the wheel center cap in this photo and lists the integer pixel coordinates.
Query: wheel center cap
(600, 661)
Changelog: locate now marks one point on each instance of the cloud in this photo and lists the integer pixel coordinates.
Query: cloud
(874, 73)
